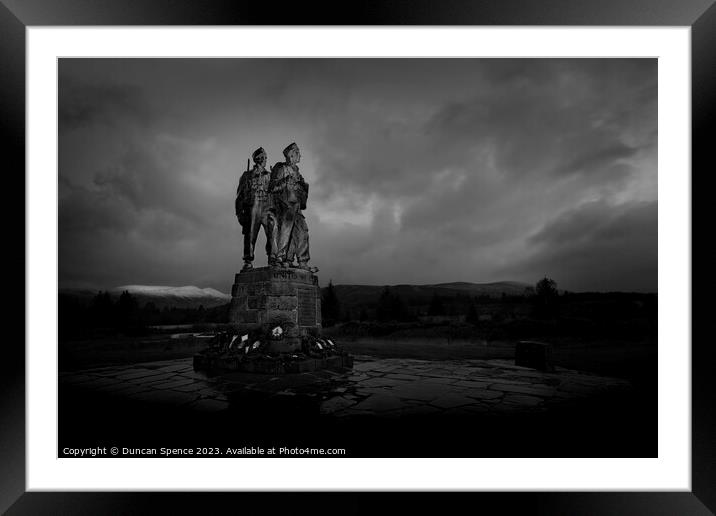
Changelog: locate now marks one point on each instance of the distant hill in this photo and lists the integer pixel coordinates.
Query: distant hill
(496, 289)
(355, 296)
(161, 296)
(350, 296)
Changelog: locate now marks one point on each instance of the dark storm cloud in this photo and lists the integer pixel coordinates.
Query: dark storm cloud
(82, 104)
(597, 158)
(551, 116)
(162, 176)
(598, 246)
(545, 119)
(421, 170)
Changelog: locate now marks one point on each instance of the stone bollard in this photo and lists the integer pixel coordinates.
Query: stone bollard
(535, 355)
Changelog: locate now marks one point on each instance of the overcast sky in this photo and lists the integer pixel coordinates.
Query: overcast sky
(421, 170)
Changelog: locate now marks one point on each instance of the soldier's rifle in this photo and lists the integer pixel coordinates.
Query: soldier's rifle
(241, 196)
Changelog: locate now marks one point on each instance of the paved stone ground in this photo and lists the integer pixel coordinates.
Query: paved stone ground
(384, 387)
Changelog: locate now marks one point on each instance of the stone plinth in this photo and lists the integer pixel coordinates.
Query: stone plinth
(266, 297)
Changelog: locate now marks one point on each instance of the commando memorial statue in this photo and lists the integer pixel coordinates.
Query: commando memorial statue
(290, 193)
(253, 209)
(275, 311)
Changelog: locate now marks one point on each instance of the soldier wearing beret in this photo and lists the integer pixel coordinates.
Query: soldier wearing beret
(289, 193)
(254, 209)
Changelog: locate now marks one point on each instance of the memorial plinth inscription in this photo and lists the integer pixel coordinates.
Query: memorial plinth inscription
(266, 297)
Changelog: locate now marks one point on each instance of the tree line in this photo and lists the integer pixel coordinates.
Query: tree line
(124, 314)
(543, 302)
(391, 307)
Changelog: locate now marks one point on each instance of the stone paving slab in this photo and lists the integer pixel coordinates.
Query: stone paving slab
(393, 387)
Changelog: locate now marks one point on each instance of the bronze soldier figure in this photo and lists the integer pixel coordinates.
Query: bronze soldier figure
(289, 195)
(254, 209)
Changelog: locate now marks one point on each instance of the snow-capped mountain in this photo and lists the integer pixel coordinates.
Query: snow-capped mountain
(161, 296)
(180, 297)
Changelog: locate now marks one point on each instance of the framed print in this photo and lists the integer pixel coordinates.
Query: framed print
(488, 288)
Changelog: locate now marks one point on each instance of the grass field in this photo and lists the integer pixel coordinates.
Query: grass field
(83, 354)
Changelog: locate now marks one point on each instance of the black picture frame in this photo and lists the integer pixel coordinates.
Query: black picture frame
(16, 15)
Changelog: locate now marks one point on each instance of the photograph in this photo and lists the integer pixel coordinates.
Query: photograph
(357, 257)
(427, 249)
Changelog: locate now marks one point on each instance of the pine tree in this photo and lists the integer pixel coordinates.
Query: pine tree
(127, 310)
(546, 297)
(383, 308)
(330, 306)
(102, 310)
